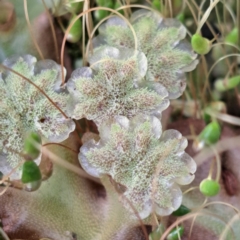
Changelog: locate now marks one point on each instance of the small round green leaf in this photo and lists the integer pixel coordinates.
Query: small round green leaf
(222, 85)
(101, 14)
(182, 210)
(232, 37)
(217, 106)
(207, 118)
(30, 172)
(200, 44)
(210, 134)
(157, 233)
(74, 7)
(156, 4)
(31, 145)
(118, 5)
(75, 32)
(175, 233)
(209, 187)
(181, 17)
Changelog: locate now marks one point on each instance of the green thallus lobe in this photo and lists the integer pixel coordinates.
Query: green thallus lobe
(124, 91)
(168, 56)
(114, 86)
(150, 165)
(123, 83)
(23, 108)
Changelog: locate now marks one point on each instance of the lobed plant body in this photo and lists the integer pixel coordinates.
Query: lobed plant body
(161, 40)
(25, 109)
(148, 165)
(113, 87)
(117, 85)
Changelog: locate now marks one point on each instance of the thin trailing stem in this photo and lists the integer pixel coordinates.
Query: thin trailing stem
(30, 30)
(238, 21)
(137, 215)
(53, 31)
(221, 146)
(61, 145)
(4, 234)
(206, 15)
(103, 20)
